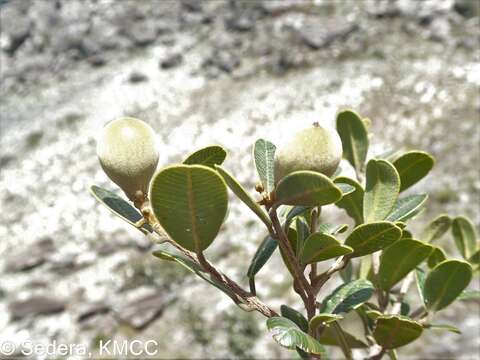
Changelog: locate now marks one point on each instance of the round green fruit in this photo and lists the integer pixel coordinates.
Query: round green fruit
(316, 149)
(128, 153)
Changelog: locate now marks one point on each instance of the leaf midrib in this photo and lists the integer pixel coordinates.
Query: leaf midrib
(191, 207)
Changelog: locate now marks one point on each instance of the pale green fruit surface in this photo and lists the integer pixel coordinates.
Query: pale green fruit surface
(128, 154)
(316, 149)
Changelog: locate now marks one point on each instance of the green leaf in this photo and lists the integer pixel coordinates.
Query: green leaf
(332, 229)
(295, 316)
(289, 335)
(399, 259)
(190, 202)
(307, 188)
(381, 192)
(365, 267)
(264, 158)
(294, 212)
(436, 229)
(368, 238)
(262, 255)
(194, 268)
(412, 167)
(373, 314)
(445, 283)
(354, 137)
(352, 203)
(436, 257)
(119, 207)
(303, 231)
(465, 236)
(345, 188)
(468, 295)
(320, 247)
(328, 337)
(322, 320)
(208, 156)
(242, 194)
(475, 258)
(407, 207)
(348, 296)
(393, 331)
(406, 234)
(420, 281)
(443, 327)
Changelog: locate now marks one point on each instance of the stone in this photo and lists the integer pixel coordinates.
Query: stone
(34, 306)
(171, 60)
(318, 36)
(90, 310)
(143, 306)
(223, 60)
(142, 34)
(31, 257)
(137, 77)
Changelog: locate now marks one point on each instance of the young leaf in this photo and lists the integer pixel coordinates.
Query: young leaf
(407, 207)
(303, 231)
(354, 137)
(194, 268)
(436, 257)
(465, 236)
(320, 247)
(399, 259)
(264, 158)
(294, 212)
(381, 192)
(286, 333)
(445, 283)
(307, 188)
(119, 207)
(262, 255)
(368, 238)
(420, 281)
(467, 295)
(332, 229)
(393, 331)
(443, 327)
(352, 203)
(190, 202)
(295, 316)
(328, 337)
(412, 167)
(242, 194)
(348, 296)
(208, 156)
(322, 320)
(436, 228)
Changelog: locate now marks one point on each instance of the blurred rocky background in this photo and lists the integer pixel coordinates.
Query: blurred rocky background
(206, 72)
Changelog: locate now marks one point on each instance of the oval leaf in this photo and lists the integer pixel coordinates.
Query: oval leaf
(329, 337)
(399, 259)
(332, 229)
(393, 331)
(242, 194)
(190, 202)
(437, 228)
(208, 156)
(412, 167)
(295, 316)
(119, 207)
(348, 296)
(368, 238)
(407, 207)
(286, 333)
(465, 236)
(436, 257)
(381, 191)
(352, 202)
(354, 137)
(264, 158)
(307, 188)
(322, 320)
(320, 247)
(445, 283)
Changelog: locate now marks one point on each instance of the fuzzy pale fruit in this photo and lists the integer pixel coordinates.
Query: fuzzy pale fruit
(128, 154)
(316, 149)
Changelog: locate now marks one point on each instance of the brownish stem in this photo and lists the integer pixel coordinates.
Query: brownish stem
(299, 277)
(321, 279)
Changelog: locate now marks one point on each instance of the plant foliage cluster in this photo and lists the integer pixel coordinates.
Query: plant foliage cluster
(378, 258)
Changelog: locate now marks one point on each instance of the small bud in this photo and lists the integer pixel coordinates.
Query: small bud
(259, 187)
(128, 153)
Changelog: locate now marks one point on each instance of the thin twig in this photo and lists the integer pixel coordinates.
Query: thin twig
(321, 279)
(403, 290)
